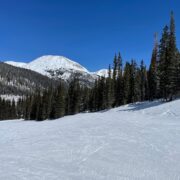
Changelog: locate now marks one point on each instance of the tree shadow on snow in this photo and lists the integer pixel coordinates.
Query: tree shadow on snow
(142, 105)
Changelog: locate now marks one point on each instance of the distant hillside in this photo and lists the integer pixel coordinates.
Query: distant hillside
(19, 81)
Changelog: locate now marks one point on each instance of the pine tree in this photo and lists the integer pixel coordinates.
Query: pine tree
(20, 109)
(168, 62)
(172, 61)
(152, 75)
(47, 99)
(13, 110)
(84, 101)
(1, 108)
(93, 100)
(114, 85)
(60, 102)
(115, 68)
(74, 97)
(101, 94)
(119, 91)
(109, 92)
(143, 81)
(134, 90)
(126, 77)
(163, 63)
(178, 74)
(28, 108)
(40, 113)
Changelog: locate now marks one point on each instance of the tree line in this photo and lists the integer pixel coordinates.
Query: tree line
(126, 83)
(132, 82)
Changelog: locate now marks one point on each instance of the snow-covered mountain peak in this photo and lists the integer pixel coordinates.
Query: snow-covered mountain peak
(50, 62)
(102, 72)
(60, 67)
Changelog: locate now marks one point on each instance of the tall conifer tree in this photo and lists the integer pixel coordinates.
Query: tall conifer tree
(163, 63)
(172, 60)
(152, 75)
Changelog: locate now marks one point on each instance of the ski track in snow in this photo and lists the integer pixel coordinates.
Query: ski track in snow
(134, 142)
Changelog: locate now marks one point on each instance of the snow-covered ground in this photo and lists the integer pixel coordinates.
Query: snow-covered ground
(139, 141)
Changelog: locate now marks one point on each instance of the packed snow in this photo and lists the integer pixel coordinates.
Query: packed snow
(137, 141)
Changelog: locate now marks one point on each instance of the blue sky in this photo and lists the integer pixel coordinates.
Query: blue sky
(88, 31)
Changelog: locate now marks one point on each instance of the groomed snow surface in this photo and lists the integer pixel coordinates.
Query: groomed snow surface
(138, 141)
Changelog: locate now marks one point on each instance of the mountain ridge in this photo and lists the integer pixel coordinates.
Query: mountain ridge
(55, 66)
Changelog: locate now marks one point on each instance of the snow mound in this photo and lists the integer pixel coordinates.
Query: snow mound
(136, 141)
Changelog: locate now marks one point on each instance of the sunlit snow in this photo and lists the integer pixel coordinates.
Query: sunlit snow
(137, 141)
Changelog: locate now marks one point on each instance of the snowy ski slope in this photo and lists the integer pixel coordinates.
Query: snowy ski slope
(137, 141)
